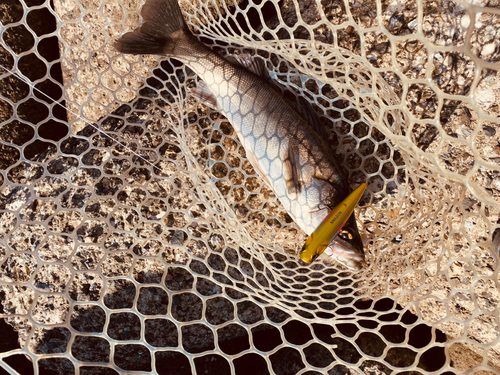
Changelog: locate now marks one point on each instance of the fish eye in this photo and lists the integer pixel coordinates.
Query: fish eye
(345, 234)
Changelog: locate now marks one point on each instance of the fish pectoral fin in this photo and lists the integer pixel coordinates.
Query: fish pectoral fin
(291, 172)
(255, 164)
(203, 94)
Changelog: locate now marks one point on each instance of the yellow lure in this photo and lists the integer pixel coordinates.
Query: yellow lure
(319, 240)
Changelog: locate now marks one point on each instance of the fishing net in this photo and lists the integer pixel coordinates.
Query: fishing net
(136, 236)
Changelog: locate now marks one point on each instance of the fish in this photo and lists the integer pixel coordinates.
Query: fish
(284, 148)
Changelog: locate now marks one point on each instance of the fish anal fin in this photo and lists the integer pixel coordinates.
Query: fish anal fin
(203, 94)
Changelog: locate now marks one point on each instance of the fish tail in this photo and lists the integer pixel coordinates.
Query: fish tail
(162, 29)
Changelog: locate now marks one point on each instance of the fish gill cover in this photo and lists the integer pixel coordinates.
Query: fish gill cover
(136, 236)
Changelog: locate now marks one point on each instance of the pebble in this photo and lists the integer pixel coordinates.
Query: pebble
(488, 49)
(465, 21)
(485, 97)
(489, 131)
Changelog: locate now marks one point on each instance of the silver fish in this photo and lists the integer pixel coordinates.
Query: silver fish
(283, 147)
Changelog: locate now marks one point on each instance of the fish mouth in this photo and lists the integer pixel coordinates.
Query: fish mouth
(343, 253)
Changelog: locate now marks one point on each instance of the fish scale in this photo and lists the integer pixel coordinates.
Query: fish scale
(282, 146)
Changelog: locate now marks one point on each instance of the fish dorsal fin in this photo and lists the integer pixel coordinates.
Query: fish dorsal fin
(256, 65)
(311, 116)
(252, 63)
(203, 94)
(300, 104)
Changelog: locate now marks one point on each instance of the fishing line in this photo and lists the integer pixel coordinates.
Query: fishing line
(29, 83)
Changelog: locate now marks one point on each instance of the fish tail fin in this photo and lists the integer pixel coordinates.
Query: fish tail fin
(163, 27)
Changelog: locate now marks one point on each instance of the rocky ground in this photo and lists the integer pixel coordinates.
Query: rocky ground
(168, 239)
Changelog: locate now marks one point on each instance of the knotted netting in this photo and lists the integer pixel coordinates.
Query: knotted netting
(135, 236)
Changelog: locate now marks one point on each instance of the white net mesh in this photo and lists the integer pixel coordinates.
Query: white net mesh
(136, 236)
